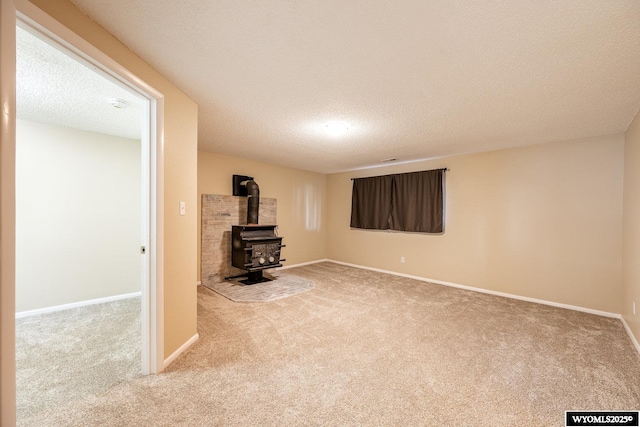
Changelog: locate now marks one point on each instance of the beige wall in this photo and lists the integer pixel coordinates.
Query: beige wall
(78, 214)
(7, 214)
(631, 228)
(301, 196)
(541, 222)
(180, 176)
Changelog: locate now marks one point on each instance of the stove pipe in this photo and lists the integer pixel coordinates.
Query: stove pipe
(253, 199)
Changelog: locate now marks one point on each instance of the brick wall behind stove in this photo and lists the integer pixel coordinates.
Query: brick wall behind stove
(219, 213)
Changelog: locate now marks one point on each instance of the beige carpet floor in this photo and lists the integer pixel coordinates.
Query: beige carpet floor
(65, 356)
(369, 349)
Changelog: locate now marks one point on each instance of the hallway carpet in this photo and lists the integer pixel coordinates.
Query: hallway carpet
(369, 349)
(67, 355)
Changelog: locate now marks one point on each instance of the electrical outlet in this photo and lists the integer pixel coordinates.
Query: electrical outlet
(634, 308)
(402, 259)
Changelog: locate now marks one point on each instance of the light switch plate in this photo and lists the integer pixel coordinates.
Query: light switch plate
(183, 208)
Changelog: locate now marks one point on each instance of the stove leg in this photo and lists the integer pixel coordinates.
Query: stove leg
(254, 277)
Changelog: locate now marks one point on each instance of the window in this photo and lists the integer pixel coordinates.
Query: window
(404, 202)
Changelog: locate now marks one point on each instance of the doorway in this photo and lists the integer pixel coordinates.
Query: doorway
(78, 183)
(29, 16)
(78, 230)
(60, 38)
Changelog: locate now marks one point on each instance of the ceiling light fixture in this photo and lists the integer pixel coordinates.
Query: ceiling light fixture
(336, 128)
(118, 103)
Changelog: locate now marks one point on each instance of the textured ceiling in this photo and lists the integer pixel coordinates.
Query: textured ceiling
(53, 88)
(413, 79)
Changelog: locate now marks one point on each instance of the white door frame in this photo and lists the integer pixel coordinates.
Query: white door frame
(25, 14)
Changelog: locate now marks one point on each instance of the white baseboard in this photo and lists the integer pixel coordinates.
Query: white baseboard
(286, 267)
(76, 304)
(633, 338)
(180, 350)
(506, 295)
(481, 290)
(487, 291)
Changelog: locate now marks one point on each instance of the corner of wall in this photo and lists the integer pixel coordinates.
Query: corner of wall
(631, 231)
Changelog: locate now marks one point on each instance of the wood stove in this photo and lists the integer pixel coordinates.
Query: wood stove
(254, 247)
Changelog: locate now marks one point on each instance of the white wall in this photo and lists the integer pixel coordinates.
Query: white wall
(78, 216)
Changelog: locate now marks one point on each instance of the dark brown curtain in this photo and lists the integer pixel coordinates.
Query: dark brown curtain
(417, 202)
(371, 202)
(405, 202)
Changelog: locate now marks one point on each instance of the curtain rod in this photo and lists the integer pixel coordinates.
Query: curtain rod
(441, 169)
